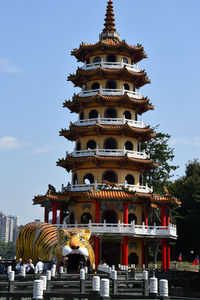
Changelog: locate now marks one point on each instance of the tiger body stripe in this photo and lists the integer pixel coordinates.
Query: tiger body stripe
(45, 241)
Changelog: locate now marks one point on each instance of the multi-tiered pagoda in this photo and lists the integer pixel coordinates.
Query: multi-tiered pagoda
(107, 193)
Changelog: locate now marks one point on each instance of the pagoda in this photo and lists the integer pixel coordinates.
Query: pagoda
(107, 194)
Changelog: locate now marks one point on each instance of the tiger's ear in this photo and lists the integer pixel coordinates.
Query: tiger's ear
(88, 233)
(60, 232)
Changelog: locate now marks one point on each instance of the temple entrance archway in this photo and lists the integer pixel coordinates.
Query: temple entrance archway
(110, 252)
(133, 259)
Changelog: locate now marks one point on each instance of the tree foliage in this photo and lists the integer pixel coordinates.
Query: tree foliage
(187, 189)
(163, 155)
(7, 250)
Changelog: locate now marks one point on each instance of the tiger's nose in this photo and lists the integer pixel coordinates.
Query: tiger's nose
(75, 247)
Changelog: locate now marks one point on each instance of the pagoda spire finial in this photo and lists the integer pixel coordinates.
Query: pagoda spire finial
(109, 30)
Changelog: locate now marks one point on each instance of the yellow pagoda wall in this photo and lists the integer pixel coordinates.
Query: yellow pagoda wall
(98, 173)
(102, 82)
(101, 111)
(121, 140)
(89, 207)
(104, 56)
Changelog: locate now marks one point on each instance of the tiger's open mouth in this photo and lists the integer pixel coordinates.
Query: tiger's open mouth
(76, 259)
(75, 262)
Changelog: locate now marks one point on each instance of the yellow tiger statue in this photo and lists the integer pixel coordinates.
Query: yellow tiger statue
(48, 242)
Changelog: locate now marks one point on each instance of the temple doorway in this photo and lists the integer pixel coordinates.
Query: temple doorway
(110, 216)
(110, 252)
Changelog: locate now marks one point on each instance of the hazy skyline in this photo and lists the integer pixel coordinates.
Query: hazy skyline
(36, 40)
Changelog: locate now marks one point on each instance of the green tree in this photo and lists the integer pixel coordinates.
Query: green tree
(163, 155)
(7, 250)
(187, 189)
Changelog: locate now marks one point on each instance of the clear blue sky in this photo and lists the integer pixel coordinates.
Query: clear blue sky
(36, 40)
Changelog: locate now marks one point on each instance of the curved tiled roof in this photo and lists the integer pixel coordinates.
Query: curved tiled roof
(85, 50)
(69, 162)
(76, 131)
(81, 76)
(76, 105)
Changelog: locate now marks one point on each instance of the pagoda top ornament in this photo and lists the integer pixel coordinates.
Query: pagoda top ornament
(109, 30)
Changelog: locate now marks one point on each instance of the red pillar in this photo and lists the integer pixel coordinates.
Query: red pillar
(168, 255)
(125, 240)
(46, 215)
(96, 239)
(163, 215)
(54, 219)
(125, 247)
(61, 216)
(164, 256)
(125, 219)
(146, 217)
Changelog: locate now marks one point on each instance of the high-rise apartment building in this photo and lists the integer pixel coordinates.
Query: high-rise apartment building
(8, 228)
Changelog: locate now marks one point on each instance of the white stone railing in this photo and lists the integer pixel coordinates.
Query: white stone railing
(110, 121)
(111, 65)
(110, 152)
(88, 187)
(110, 92)
(127, 229)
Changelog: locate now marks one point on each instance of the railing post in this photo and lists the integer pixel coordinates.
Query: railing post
(101, 88)
(124, 119)
(114, 281)
(97, 150)
(145, 283)
(99, 119)
(102, 62)
(123, 90)
(82, 281)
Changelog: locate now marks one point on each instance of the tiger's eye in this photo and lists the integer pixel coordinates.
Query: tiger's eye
(81, 239)
(66, 239)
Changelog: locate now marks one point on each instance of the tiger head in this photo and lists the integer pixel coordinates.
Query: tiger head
(75, 246)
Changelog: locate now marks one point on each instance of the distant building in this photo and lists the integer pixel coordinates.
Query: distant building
(8, 228)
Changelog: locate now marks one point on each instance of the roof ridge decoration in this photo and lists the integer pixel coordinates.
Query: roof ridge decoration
(109, 32)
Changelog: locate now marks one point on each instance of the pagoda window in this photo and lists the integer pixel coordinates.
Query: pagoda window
(127, 115)
(75, 179)
(81, 116)
(141, 179)
(110, 176)
(111, 84)
(88, 179)
(110, 143)
(97, 59)
(93, 114)
(71, 218)
(85, 218)
(95, 86)
(110, 112)
(111, 58)
(129, 146)
(78, 146)
(110, 216)
(126, 86)
(130, 179)
(125, 60)
(132, 217)
(91, 144)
